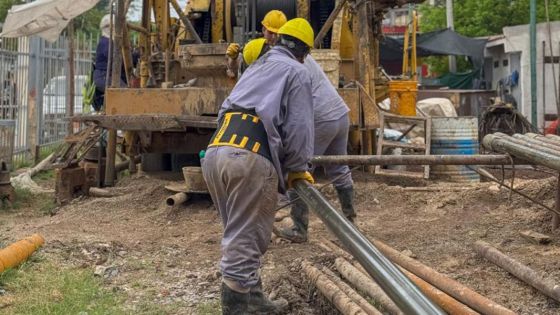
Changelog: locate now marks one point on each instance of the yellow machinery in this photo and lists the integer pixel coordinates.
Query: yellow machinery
(182, 68)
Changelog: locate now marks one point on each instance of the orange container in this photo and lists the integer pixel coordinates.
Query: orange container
(403, 96)
(19, 251)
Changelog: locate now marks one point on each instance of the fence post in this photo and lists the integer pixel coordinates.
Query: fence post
(34, 107)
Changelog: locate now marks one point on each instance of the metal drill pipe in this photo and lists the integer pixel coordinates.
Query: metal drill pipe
(399, 288)
(538, 143)
(553, 138)
(412, 160)
(530, 145)
(500, 144)
(543, 138)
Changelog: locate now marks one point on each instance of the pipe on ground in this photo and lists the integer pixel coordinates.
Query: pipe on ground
(177, 199)
(455, 289)
(541, 140)
(399, 288)
(20, 251)
(528, 275)
(503, 144)
(412, 160)
(331, 291)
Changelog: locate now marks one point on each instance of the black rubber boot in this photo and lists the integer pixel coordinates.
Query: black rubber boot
(346, 197)
(260, 304)
(233, 302)
(300, 216)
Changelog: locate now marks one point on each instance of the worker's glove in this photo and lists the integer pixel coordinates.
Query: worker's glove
(233, 50)
(292, 176)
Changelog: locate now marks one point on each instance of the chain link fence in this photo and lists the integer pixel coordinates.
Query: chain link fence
(34, 90)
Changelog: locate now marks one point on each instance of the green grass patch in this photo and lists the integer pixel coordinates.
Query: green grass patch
(23, 198)
(44, 175)
(42, 287)
(42, 204)
(209, 308)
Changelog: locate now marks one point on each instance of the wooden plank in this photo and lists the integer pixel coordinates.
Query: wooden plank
(352, 99)
(190, 101)
(535, 237)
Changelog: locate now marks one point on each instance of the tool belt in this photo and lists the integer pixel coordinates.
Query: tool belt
(244, 130)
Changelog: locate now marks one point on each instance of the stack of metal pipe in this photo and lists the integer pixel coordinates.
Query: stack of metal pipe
(533, 148)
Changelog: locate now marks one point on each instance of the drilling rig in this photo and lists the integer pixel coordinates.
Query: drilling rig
(181, 72)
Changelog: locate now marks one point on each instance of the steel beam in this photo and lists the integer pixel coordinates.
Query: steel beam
(412, 160)
(397, 286)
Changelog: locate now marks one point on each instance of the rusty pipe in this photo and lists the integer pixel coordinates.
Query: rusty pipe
(505, 145)
(411, 160)
(521, 271)
(455, 289)
(177, 199)
(20, 251)
(397, 286)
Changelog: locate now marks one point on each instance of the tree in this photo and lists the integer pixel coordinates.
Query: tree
(475, 18)
(5, 6)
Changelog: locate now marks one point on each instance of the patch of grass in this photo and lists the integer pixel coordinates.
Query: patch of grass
(42, 204)
(48, 205)
(209, 308)
(44, 175)
(146, 308)
(23, 198)
(47, 288)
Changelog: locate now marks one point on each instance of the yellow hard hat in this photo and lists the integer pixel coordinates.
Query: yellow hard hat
(273, 20)
(252, 50)
(300, 29)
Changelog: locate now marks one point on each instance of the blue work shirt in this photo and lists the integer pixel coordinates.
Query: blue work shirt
(278, 88)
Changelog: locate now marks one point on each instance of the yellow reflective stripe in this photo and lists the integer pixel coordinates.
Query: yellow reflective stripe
(244, 117)
(255, 119)
(256, 147)
(225, 124)
(232, 140)
(244, 141)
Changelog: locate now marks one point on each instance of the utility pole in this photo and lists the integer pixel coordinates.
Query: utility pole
(533, 57)
(450, 25)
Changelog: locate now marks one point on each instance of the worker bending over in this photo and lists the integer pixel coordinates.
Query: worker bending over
(331, 137)
(264, 133)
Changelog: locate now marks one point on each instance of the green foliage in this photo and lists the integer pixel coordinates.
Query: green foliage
(209, 308)
(475, 18)
(46, 288)
(5, 5)
(88, 23)
(485, 17)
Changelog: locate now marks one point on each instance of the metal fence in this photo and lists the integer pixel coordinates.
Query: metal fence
(34, 86)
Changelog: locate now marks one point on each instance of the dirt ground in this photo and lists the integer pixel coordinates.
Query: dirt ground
(168, 256)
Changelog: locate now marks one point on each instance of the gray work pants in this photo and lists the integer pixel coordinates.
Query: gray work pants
(331, 138)
(244, 187)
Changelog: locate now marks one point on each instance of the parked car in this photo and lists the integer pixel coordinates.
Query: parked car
(54, 126)
(54, 95)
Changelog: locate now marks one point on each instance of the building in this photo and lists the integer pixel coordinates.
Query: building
(507, 57)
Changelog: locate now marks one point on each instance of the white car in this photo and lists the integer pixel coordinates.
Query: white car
(54, 95)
